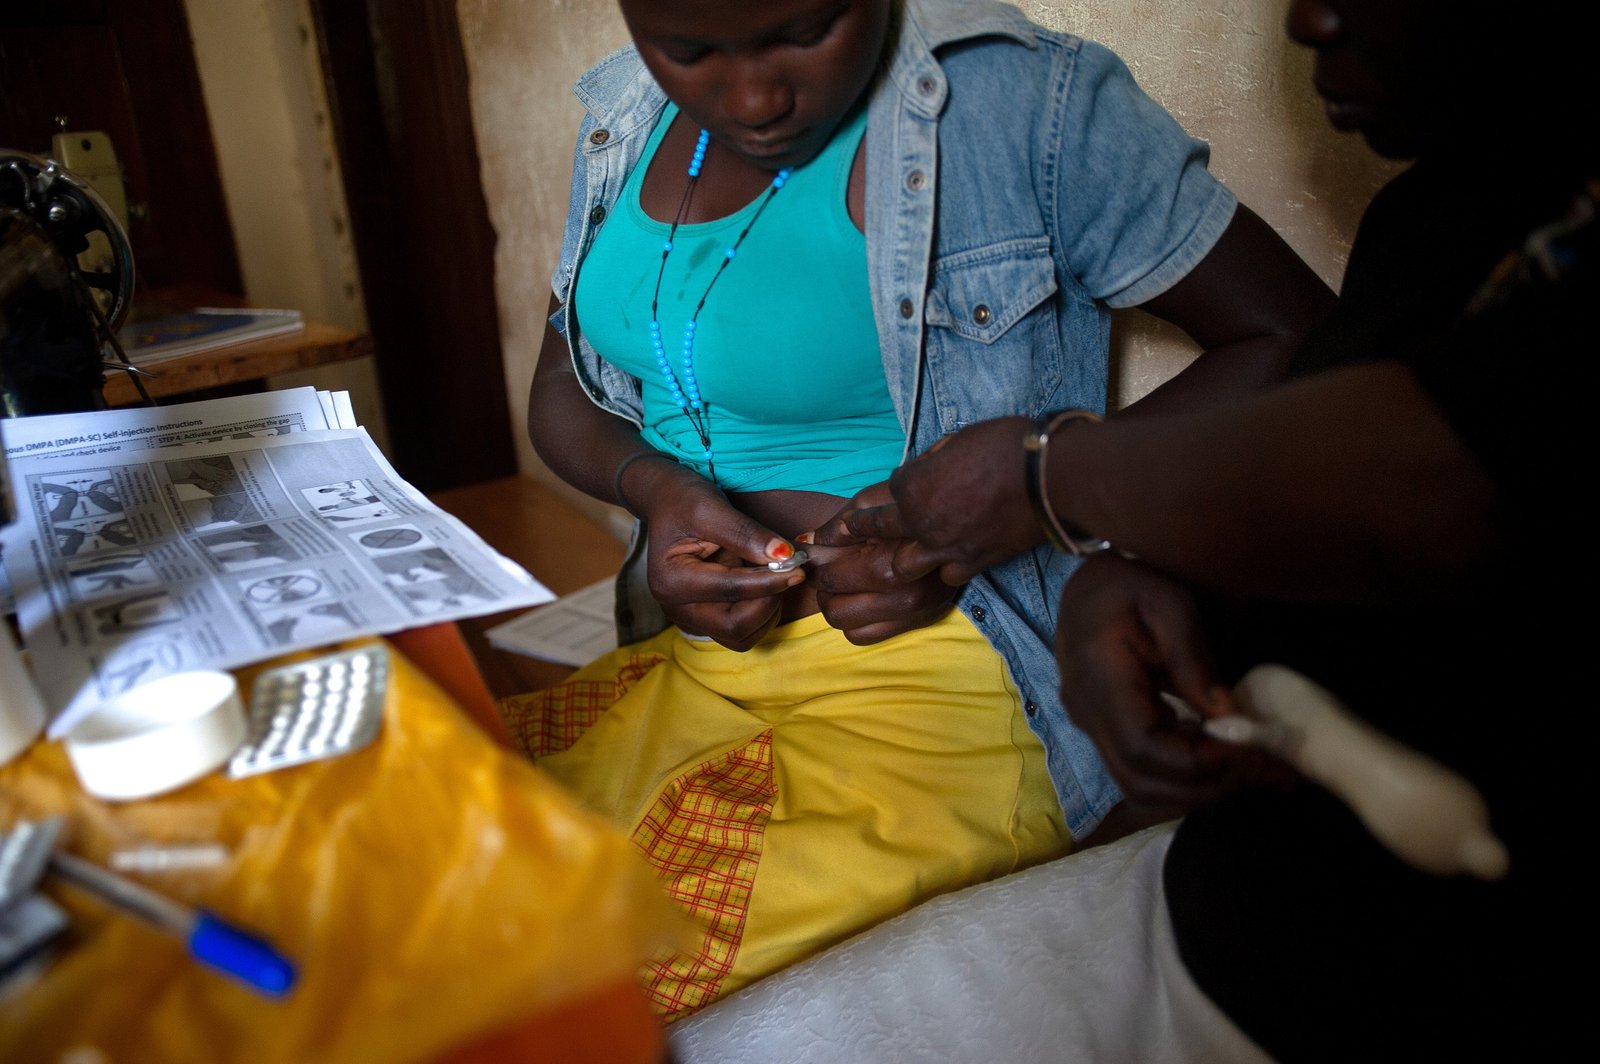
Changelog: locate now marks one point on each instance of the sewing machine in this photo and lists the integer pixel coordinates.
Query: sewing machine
(66, 281)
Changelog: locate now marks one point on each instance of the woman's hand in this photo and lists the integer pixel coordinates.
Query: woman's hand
(861, 589)
(1127, 634)
(708, 561)
(963, 502)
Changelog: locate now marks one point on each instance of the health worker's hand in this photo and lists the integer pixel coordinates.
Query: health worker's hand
(1126, 634)
(963, 503)
(860, 588)
(708, 561)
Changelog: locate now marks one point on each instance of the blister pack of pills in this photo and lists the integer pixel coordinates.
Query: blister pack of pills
(314, 710)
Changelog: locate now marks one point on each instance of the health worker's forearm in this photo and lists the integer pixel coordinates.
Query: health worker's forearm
(1249, 305)
(1344, 487)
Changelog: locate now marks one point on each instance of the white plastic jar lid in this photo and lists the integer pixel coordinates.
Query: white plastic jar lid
(158, 736)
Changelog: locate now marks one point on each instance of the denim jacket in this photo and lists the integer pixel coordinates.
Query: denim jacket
(1060, 190)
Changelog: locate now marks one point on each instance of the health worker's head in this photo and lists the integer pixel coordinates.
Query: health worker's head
(1426, 77)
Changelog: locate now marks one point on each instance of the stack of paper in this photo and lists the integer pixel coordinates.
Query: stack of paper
(211, 535)
(574, 630)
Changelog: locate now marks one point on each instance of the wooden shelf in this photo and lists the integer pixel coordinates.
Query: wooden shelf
(316, 345)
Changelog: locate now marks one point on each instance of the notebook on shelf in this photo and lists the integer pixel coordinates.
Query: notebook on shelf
(203, 329)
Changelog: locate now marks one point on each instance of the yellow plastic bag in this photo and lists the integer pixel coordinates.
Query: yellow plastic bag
(430, 887)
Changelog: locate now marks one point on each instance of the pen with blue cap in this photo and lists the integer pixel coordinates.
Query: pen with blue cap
(208, 939)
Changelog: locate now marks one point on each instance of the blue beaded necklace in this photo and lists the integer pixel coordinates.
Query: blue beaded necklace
(687, 393)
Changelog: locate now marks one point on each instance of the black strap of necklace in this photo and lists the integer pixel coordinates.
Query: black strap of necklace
(700, 418)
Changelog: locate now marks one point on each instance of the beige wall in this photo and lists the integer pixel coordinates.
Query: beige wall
(523, 56)
(1222, 66)
(260, 75)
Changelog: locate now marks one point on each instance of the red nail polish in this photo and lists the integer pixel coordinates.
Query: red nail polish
(780, 551)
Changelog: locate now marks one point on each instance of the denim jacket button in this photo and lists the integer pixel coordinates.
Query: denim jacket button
(1031, 709)
(906, 308)
(980, 314)
(597, 215)
(599, 136)
(927, 86)
(979, 613)
(916, 181)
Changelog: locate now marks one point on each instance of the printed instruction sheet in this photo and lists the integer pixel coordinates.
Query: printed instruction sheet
(211, 535)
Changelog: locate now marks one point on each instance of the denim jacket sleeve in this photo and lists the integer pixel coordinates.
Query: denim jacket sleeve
(1136, 209)
(1019, 185)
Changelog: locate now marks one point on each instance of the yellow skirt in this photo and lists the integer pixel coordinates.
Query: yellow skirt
(800, 792)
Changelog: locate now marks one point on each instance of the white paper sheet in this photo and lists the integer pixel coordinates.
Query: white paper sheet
(573, 630)
(262, 414)
(135, 555)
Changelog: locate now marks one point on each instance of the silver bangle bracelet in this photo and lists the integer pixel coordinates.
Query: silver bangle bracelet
(1037, 447)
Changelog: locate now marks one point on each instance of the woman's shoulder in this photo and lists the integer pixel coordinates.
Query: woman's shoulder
(618, 85)
(941, 22)
(996, 26)
(996, 43)
(617, 68)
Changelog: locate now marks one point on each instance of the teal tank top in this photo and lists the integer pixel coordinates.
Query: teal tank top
(785, 351)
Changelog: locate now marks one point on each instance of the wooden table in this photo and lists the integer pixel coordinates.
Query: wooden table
(316, 345)
(608, 1024)
(539, 530)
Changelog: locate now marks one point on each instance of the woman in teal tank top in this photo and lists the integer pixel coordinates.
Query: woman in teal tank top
(808, 751)
(785, 353)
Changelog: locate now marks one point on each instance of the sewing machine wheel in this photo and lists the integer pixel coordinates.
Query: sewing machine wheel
(82, 227)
